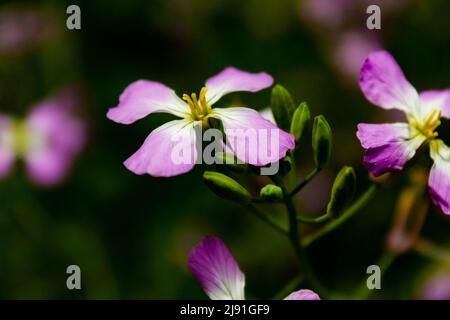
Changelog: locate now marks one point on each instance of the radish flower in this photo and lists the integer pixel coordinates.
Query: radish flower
(389, 146)
(46, 140)
(215, 268)
(155, 157)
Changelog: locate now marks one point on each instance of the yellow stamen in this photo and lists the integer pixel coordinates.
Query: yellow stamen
(190, 103)
(433, 120)
(199, 107)
(428, 127)
(203, 103)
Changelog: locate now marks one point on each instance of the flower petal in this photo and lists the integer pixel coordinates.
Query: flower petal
(303, 294)
(56, 137)
(215, 268)
(384, 84)
(143, 97)
(268, 115)
(7, 155)
(252, 138)
(439, 181)
(436, 99)
(232, 80)
(168, 151)
(388, 146)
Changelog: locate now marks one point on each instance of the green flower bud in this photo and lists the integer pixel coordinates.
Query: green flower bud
(226, 187)
(300, 121)
(321, 141)
(271, 192)
(343, 191)
(282, 106)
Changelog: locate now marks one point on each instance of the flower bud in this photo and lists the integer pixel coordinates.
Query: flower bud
(342, 192)
(226, 187)
(321, 141)
(272, 193)
(300, 121)
(282, 106)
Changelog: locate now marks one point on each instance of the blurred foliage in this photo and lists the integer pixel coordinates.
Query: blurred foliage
(131, 235)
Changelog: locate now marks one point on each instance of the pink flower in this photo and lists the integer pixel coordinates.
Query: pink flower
(46, 140)
(215, 268)
(155, 157)
(389, 146)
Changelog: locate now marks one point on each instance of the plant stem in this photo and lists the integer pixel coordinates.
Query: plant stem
(428, 249)
(305, 181)
(263, 217)
(317, 220)
(295, 241)
(354, 208)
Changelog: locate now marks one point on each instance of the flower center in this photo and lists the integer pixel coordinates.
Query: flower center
(199, 107)
(20, 137)
(428, 127)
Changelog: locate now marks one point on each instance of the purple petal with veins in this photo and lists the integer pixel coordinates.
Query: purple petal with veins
(303, 294)
(384, 84)
(215, 268)
(388, 146)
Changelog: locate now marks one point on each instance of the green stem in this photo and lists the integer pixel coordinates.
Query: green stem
(431, 251)
(263, 217)
(305, 181)
(295, 241)
(318, 220)
(357, 205)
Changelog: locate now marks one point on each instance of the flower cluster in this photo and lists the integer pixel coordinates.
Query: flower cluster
(388, 147)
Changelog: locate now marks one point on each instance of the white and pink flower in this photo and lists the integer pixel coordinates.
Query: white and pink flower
(144, 97)
(390, 146)
(215, 268)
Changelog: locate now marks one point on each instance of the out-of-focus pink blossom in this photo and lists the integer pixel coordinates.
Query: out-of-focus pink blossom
(47, 140)
(350, 50)
(21, 29)
(437, 287)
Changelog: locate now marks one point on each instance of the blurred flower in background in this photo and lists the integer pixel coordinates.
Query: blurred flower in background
(437, 286)
(22, 29)
(47, 139)
(342, 26)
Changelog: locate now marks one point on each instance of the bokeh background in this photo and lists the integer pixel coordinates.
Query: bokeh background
(131, 235)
